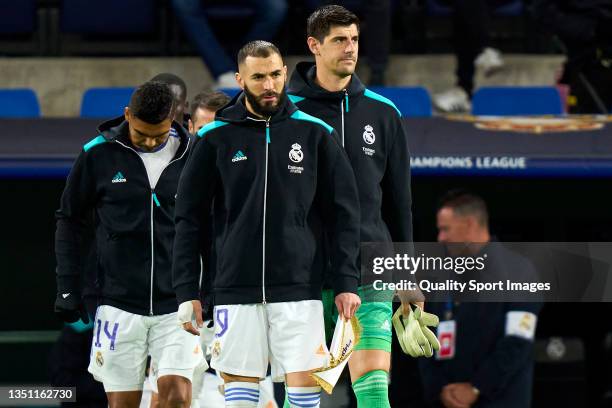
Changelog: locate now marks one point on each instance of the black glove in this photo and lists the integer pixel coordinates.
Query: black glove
(70, 308)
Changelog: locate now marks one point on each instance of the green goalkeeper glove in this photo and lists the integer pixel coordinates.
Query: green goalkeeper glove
(415, 338)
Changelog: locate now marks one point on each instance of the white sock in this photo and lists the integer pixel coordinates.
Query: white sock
(304, 397)
(241, 394)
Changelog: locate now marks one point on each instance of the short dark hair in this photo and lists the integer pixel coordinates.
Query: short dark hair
(258, 49)
(171, 79)
(323, 19)
(212, 101)
(464, 202)
(152, 102)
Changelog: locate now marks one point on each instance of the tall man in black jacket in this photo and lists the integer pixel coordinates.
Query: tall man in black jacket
(372, 133)
(273, 176)
(129, 176)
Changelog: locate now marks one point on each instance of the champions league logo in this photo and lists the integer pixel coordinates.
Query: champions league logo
(295, 154)
(368, 136)
(535, 124)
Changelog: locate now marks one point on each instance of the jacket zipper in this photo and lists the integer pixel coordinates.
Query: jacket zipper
(263, 262)
(344, 106)
(152, 256)
(155, 201)
(263, 234)
(346, 100)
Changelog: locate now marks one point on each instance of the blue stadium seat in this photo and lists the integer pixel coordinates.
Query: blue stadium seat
(439, 8)
(105, 102)
(231, 92)
(412, 101)
(18, 103)
(17, 17)
(108, 16)
(517, 100)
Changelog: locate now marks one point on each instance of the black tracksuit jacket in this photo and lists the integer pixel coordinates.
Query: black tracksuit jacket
(271, 186)
(134, 223)
(372, 133)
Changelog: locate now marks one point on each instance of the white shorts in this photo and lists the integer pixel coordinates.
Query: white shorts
(122, 341)
(288, 335)
(205, 339)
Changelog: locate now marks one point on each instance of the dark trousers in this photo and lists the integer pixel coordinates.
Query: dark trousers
(470, 35)
(269, 15)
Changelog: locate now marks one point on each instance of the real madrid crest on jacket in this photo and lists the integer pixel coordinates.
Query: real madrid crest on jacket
(271, 184)
(371, 131)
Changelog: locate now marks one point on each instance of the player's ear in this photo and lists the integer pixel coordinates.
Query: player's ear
(126, 114)
(190, 126)
(239, 80)
(313, 45)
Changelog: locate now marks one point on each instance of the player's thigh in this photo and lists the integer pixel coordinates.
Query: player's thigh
(124, 399)
(174, 390)
(240, 344)
(296, 337)
(119, 349)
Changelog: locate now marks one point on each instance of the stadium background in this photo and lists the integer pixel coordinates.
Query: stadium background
(567, 202)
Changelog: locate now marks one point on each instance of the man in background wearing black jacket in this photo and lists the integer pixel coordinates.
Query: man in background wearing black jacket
(273, 177)
(129, 175)
(486, 357)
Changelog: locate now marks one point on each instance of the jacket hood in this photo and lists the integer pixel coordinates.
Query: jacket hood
(117, 129)
(302, 83)
(113, 127)
(236, 112)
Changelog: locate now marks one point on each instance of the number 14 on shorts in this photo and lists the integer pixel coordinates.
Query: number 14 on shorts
(110, 334)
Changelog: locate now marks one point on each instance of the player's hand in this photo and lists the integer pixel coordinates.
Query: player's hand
(347, 304)
(449, 400)
(415, 338)
(70, 307)
(186, 312)
(411, 296)
(463, 392)
(407, 309)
